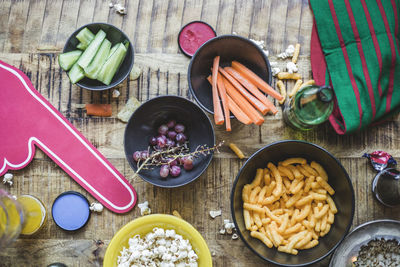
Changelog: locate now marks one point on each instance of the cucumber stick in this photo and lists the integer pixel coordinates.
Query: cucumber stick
(91, 50)
(76, 73)
(81, 46)
(85, 36)
(112, 64)
(113, 50)
(66, 60)
(98, 61)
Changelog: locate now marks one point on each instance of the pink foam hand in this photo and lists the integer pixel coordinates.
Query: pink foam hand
(29, 120)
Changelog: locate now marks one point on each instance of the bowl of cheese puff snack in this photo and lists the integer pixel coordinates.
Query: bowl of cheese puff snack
(292, 203)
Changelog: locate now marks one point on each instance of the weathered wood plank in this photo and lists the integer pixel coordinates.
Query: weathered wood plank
(33, 27)
(16, 26)
(153, 26)
(174, 14)
(68, 18)
(51, 22)
(5, 15)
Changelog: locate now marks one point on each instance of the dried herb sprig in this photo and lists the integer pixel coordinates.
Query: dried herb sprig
(167, 156)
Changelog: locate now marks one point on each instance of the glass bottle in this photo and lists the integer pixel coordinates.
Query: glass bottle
(311, 106)
(23, 215)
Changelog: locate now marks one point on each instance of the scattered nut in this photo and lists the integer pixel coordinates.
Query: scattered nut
(135, 72)
(235, 236)
(215, 213)
(129, 108)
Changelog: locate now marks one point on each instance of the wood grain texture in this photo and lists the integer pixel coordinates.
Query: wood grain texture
(32, 34)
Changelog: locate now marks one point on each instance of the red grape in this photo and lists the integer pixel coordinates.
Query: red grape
(163, 129)
(144, 155)
(187, 160)
(179, 128)
(153, 141)
(175, 171)
(164, 171)
(170, 143)
(172, 135)
(161, 141)
(171, 124)
(180, 138)
(188, 166)
(136, 155)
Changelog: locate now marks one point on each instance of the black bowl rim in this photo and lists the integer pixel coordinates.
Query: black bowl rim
(213, 40)
(179, 34)
(130, 46)
(352, 202)
(212, 130)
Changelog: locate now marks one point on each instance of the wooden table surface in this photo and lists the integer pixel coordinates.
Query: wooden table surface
(32, 33)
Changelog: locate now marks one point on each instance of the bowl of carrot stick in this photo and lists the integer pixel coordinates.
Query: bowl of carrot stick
(229, 77)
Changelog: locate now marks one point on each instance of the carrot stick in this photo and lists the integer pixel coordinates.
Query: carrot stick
(234, 108)
(253, 100)
(101, 110)
(218, 116)
(246, 107)
(252, 77)
(237, 112)
(222, 93)
(252, 88)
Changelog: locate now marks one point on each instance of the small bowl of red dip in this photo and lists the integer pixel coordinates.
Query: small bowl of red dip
(193, 35)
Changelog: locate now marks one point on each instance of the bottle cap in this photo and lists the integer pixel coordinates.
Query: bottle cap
(70, 211)
(193, 35)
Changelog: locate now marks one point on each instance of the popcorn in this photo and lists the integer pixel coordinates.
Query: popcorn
(96, 207)
(116, 93)
(229, 227)
(235, 236)
(159, 248)
(120, 9)
(291, 67)
(273, 64)
(215, 213)
(144, 208)
(275, 71)
(288, 52)
(8, 179)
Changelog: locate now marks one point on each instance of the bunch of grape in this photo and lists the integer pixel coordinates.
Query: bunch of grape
(170, 135)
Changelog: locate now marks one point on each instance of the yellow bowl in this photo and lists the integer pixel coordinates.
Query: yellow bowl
(143, 225)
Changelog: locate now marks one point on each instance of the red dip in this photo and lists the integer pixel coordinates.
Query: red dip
(193, 35)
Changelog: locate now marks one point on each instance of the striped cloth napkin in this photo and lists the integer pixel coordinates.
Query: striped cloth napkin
(355, 49)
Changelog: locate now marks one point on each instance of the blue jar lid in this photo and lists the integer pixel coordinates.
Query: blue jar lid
(70, 211)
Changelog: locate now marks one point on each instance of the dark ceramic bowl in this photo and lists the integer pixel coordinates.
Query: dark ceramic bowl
(338, 179)
(114, 35)
(144, 123)
(229, 48)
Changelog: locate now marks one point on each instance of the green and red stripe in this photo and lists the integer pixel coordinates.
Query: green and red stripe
(362, 57)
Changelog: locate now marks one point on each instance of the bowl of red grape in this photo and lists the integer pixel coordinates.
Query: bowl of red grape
(169, 141)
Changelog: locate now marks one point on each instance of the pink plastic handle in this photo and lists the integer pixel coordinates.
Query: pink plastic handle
(28, 119)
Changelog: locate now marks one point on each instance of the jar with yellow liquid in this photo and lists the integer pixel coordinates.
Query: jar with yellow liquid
(23, 215)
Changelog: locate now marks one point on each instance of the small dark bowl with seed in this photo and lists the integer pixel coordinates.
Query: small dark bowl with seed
(187, 130)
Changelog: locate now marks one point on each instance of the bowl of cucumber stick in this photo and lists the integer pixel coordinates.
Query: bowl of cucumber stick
(97, 56)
